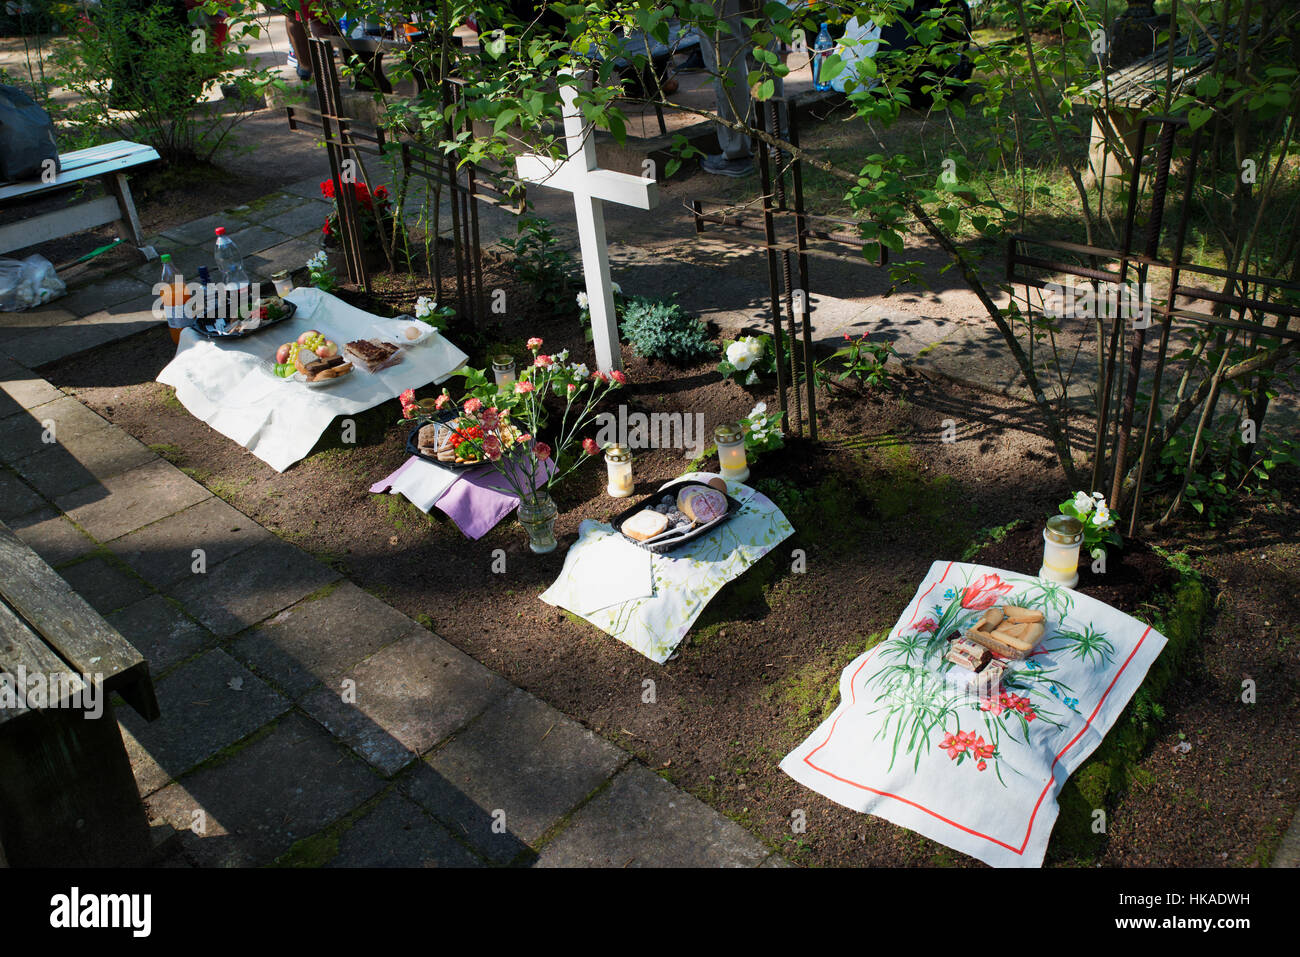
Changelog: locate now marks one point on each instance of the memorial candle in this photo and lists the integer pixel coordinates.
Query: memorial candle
(283, 284)
(731, 452)
(618, 462)
(503, 369)
(1061, 540)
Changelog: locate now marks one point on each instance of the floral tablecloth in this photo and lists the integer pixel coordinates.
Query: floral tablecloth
(917, 742)
(673, 589)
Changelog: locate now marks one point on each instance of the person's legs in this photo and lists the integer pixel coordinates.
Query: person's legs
(725, 57)
(298, 40)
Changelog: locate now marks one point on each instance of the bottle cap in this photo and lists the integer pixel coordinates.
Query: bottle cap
(220, 230)
(165, 258)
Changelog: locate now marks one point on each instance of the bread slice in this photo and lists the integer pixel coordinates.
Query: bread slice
(646, 523)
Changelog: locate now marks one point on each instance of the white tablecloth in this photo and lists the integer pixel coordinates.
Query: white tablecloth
(231, 386)
(917, 741)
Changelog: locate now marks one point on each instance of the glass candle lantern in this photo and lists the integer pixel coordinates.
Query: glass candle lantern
(618, 462)
(283, 284)
(731, 452)
(503, 370)
(1061, 540)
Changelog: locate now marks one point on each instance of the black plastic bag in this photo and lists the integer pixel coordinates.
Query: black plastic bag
(26, 136)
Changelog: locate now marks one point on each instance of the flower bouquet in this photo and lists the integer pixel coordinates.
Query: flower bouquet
(501, 426)
(375, 219)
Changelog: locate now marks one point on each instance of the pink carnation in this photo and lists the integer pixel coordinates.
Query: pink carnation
(618, 376)
(472, 404)
(590, 447)
(523, 388)
(542, 451)
(534, 344)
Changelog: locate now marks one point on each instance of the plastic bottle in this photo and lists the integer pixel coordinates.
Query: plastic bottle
(173, 298)
(822, 49)
(234, 281)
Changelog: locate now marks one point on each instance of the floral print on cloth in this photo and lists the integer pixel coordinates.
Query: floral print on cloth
(930, 746)
(683, 581)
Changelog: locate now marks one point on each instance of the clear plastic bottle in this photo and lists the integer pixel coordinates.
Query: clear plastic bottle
(173, 298)
(235, 285)
(821, 50)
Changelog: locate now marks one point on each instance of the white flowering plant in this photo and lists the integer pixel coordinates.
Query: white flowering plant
(1097, 521)
(428, 310)
(584, 307)
(746, 358)
(320, 273)
(762, 430)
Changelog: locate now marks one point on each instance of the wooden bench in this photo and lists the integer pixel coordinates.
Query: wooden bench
(109, 164)
(67, 794)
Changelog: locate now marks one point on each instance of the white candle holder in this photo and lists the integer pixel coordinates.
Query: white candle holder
(1061, 540)
(503, 371)
(283, 284)
(618, 463)
(731, 452)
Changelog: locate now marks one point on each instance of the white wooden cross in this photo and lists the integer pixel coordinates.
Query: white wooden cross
(591, 187)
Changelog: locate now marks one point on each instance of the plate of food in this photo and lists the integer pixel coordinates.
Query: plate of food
(373, 355)
(404, 331)
(266, 312)
(312, 360)
(454, 442)
(676, 514)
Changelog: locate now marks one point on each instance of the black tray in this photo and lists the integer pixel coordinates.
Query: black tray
(208, 327)
(673, 541)
(413, 446)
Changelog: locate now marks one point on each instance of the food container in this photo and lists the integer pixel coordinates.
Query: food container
(669, 541)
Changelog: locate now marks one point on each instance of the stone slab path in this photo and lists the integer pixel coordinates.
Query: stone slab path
(304, 721)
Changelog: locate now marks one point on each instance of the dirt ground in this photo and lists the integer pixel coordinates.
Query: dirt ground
(874, 504)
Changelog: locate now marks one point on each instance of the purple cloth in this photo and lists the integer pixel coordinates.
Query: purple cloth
(483, 497)
(476, 500)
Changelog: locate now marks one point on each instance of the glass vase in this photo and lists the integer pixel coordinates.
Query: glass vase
(537, 515)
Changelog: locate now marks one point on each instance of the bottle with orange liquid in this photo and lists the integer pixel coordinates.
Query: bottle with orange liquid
(174, 298)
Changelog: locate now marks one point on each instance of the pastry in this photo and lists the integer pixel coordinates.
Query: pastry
(719, 483)
(372, 354)
(645, 524)
(967, 654)
(1018, 615)
(702, 504)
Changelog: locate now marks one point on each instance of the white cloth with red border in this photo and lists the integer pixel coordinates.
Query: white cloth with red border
(230, 384)
(916, 740)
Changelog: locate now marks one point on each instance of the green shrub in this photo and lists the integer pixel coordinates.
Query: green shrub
(540, 262)
(665, 331)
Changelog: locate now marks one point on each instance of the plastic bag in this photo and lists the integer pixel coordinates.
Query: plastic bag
(26, 136)
(28, 282)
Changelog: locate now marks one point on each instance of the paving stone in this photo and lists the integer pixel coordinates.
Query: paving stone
(202, 232)
(23, 435)
(276, 790)
(408, 697)
(462, 816)
(16, 498)
(21, 389)
(50, 535)
(524, 758)
(308, 188)
(160, 632)
(317, 640)
(14, 325)
(105, 294)
(254, 239)
(251, 586)
(207, 704)
(163, 553)
(78, 460)
(396, 833)
(98, 329)
(133, 499)
(302, 219)
(776, 860)
(643, 821)
(186, 260)
(104, 587)
(289, 255)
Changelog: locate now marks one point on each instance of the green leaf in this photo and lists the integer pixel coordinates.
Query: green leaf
(1199, 117)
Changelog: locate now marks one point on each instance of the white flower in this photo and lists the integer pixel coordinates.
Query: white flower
(424, 306)
(1099, 497)
(318, 261)
(1102, 518)
(561, 356)
(758, 409)
(1083, 502)
(618, 290)
(738, 355)
(755, 347)
(580, 370)
(583, 302)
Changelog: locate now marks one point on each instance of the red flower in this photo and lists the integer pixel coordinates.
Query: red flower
(492, 447)
(926, 624)
(542, 451)
(327, 189)
(488, 418)
(473, 405)
(534, 344)
(601, 376)
(543, 361)
(618, 376)
(952, 745)
(326, 228)
(982, 765)
(988, 704)
(590, 447)
(981, 749)
(984, 593)
(523, 387)
(441, 401)
(407, 398)
(572, 387)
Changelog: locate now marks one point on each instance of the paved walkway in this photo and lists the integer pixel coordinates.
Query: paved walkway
(304, 720)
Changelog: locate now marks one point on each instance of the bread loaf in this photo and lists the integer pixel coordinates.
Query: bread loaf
(701, 504)
(645, 524)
